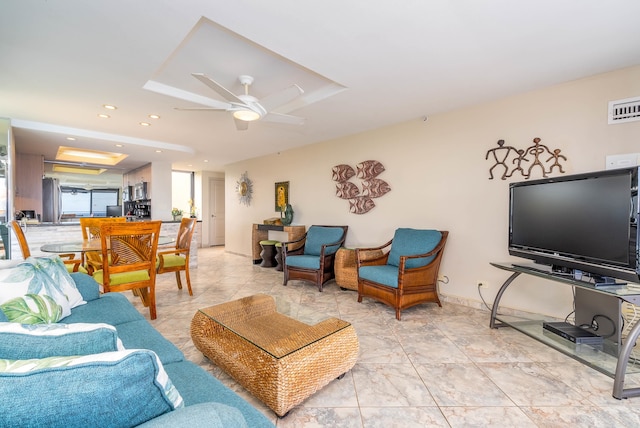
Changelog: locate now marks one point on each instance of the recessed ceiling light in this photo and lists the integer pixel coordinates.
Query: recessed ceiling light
(145, 124)
(110, 107)
(154, 116)
(78, 169)
(104, 116)
(158, 151)
(71, 138)
(119, 145)
(206, 160)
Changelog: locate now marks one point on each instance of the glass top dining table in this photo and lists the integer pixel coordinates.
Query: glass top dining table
(83, 246)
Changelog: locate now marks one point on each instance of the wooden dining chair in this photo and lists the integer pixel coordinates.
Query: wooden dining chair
(90, 227)
(71, 263)
(131, 251)
(177, 259)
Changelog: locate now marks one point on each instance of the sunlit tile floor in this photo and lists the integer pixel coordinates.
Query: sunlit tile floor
(436, 367)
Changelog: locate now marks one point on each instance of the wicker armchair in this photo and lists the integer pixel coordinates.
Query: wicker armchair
(407, 274)
(311, 257)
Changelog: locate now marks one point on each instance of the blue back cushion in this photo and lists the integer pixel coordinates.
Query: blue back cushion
(317, 236)
(23, 342)
(408, 242)
(111, 389)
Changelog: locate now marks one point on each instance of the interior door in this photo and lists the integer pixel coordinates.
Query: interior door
(216, 208)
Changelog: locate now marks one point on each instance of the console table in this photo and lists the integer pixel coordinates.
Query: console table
(260, 232)
(612, 359)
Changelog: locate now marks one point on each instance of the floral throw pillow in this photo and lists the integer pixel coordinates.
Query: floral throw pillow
(55, 269)
(32, 309)
(28, 278)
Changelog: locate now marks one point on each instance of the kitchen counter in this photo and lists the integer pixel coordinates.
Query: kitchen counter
(38, 234)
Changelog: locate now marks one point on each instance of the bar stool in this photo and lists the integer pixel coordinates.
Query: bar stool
(268, 253)
(279, 257)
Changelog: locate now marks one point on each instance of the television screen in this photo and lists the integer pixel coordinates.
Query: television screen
(586, 221)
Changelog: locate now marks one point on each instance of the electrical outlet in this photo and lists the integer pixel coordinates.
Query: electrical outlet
(483, 284)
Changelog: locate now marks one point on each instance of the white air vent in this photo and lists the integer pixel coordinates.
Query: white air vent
(627, 110)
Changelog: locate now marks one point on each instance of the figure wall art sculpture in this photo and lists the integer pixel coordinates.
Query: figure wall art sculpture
(535, 157)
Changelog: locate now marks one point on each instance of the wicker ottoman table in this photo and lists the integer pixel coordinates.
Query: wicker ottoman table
(279, 359)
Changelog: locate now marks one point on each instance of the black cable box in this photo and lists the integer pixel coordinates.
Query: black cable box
(573, 333)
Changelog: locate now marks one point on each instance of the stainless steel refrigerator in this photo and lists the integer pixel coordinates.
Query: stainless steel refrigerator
(51, 200)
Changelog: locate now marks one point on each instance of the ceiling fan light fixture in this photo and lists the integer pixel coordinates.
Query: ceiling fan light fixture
(246, 115)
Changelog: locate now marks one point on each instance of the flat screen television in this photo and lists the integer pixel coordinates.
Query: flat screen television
(583, 222)
(114, 210)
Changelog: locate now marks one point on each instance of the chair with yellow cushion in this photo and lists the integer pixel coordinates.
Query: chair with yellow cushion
(71, 263)
(177, 259)
(131, 251)
(90, 227)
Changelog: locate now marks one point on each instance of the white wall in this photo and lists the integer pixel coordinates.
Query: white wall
(439, 179)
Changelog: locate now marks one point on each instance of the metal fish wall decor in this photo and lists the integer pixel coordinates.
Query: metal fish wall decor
(374, 188)
(347, 190)
(360, 202)
(369, 169)
(342, 173)
(361, 205)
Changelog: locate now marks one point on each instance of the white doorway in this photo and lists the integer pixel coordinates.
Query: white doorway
(216, 210)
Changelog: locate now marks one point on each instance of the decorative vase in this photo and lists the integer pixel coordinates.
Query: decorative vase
(288, 215)
(177, 217)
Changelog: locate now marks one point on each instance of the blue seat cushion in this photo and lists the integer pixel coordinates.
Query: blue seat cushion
(303, 261)
(198, 386)
(141, 335)
(203, 415)
(385, 274)
(317, 236)
(110, 308)
(407, 242)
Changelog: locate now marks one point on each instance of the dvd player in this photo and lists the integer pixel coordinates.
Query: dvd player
(573, 333)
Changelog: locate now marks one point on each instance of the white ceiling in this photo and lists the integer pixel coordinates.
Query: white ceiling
(61, 61)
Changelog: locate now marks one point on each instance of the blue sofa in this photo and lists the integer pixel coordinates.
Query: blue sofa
(97, 395)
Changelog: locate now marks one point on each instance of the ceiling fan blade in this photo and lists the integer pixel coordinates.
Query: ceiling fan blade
(241, 125)
(200, 109)
(283, 118)
(224, 92)
(278, 99)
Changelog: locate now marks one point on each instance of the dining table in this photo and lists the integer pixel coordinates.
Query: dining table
(86, 245)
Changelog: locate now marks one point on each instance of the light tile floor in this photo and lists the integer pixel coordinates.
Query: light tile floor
(436, 367)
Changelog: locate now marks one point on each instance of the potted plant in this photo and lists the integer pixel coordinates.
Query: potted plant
(177, 214)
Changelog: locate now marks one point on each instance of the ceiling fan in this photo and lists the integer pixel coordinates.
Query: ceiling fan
(247, 108)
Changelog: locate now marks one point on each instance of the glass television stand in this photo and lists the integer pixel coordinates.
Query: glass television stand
(614, 357)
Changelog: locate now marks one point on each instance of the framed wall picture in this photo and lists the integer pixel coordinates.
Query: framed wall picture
(282, 196)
